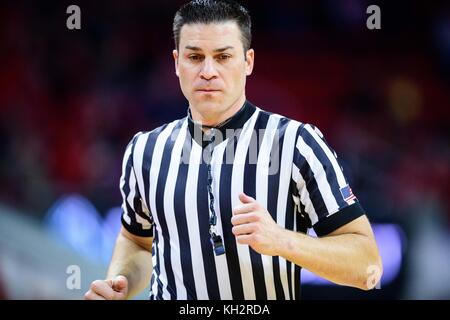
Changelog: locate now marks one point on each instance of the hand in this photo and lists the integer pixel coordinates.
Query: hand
(112, 289)
(253, 225)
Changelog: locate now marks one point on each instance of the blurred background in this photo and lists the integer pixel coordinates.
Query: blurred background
(70, 100)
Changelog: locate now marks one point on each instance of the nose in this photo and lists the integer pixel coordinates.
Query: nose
(208, 71)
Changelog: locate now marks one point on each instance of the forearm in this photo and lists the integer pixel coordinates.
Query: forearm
(132, 261)
(346, 259)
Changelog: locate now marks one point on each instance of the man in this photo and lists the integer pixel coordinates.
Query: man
(216, 205)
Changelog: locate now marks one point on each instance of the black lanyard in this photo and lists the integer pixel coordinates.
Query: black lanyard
(215, 238)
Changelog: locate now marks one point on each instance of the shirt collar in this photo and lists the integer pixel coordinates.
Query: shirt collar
(235, 122)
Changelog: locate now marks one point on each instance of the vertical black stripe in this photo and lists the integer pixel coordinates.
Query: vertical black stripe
(203, 222)
(290, 226)
(311, 185)
(272, 196)
(255, 257)
(147, 161)
(297, 221)
(288, 272)
(226, 209)
(180, 215)
(152, 295)
(152, 280)
(327, 166)
(159, 292)
(160, 190)
(250, 190)
(297, 282)
(128, 165)
(126, 188)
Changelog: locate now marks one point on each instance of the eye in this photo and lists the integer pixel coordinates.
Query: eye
(195, 57)
(224, 57)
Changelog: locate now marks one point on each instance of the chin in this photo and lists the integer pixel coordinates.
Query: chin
(206, 105)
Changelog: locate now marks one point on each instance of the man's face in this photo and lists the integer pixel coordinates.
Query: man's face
(212, 66)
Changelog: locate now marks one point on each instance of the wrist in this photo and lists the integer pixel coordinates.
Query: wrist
(282, 242)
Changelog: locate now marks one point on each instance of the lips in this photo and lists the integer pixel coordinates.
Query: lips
(207, 90)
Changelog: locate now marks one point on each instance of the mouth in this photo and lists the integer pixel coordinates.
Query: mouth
(207, 90)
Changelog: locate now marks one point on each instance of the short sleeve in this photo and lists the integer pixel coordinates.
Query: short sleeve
(136, 218)
(321, 189)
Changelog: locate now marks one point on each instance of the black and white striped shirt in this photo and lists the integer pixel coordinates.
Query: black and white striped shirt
(284, 164)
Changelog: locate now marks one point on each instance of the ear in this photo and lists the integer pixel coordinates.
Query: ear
(175, 57)
(250, 61)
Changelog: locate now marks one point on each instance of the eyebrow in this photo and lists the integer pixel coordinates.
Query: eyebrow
(215, 50)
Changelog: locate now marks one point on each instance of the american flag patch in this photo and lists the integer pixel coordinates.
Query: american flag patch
(347, 193)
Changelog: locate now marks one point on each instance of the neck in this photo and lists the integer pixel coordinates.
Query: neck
(213, 120)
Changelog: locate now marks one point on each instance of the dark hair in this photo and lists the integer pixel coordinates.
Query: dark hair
(213, 11)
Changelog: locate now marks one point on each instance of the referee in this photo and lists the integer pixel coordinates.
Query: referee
(217, 205)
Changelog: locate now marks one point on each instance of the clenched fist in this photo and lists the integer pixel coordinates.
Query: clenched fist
(112, 289)
(253, 225)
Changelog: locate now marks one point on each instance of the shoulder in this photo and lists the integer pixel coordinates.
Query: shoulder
(295, 131)
(141, 136)
(310, 130)
(286, 126)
